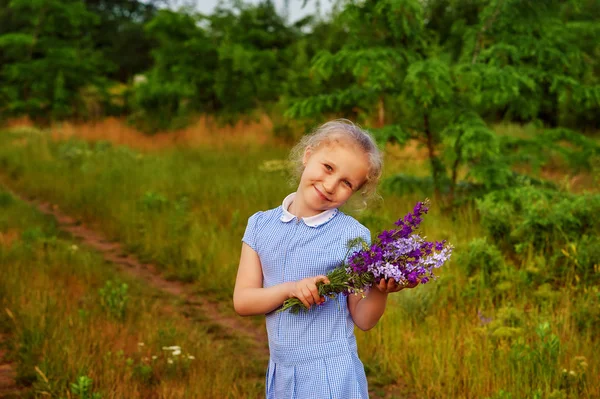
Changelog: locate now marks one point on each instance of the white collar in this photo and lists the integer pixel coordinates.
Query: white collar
(312, 221)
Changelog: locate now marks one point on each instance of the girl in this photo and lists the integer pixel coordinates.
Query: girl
(286, 251)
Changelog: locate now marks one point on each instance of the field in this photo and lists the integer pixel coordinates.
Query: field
(74, 325)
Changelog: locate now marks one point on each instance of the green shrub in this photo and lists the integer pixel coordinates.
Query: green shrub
(561, 227)
(482, 257)
(579, 260)
(82, 388)
(161, 105)
(6, 199)
(539, 218)
(114, 298)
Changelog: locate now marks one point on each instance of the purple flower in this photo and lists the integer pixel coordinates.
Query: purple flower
(405, 231)
(427, 247)
(417, 209)
(412, 278)
(357, 261)
(401, 254)
(386, 236)
(414, 253)
(376, 254)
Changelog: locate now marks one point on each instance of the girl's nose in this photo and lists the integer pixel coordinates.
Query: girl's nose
(329, 185)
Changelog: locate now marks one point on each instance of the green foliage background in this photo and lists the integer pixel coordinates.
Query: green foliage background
(517, 313)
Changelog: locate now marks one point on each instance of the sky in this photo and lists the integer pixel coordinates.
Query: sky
(295, 6)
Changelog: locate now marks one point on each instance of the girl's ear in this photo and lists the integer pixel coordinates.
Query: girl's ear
(307, 154)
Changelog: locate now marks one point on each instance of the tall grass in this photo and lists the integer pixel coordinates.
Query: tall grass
(459, 337)
(63, 326)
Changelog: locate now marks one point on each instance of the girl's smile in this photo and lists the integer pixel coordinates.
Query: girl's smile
(321, 194)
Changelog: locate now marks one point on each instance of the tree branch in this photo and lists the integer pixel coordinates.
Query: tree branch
(486, 26)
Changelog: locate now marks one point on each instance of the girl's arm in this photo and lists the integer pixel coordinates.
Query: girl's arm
(366, 312)
(249, 296)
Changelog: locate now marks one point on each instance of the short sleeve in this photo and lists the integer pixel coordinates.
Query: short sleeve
(250, 233)
(353, 231)
(365, 233)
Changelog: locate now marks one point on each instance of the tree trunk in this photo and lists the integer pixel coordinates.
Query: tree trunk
(381, 112)
(432, 159)
(455, 170)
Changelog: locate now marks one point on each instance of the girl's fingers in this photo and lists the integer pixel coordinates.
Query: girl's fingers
(308, 295)
(302, 298)
(307, 292)
(392, 286)
(315, 294)
(322, 278)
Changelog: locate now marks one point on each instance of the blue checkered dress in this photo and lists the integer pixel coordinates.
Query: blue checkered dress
(313, 354)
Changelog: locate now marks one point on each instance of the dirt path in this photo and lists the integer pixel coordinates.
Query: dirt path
(8, 385)
(194, 304)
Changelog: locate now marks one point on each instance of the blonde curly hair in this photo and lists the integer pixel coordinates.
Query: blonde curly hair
(344, 129)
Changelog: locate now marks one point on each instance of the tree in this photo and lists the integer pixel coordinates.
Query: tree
(47, 58)
(252, 42)
(119, 35)
(182, 78)
(439, 87)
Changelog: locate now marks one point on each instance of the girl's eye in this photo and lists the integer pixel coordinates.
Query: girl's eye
(328, 167)
(348, 183)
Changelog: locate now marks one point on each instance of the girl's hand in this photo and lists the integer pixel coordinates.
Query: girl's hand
(390, 286)
(306, 290)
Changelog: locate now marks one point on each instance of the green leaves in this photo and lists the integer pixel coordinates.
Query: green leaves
(392, 133)
(46, 59)
(319, 104)
(114, 299)
(428, 83)
(15, 45)
(442, 85)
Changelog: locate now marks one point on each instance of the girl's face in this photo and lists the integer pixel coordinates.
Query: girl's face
(333, 172)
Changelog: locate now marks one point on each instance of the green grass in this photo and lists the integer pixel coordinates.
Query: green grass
(186, 210)
(61, 327)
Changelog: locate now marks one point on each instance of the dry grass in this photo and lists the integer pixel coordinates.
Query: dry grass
(59, 329)
(8, 237)
(204, 132)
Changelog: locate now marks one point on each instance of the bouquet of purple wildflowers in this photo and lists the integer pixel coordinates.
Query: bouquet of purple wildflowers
(401, 254)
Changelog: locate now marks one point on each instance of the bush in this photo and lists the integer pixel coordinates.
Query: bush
(114, 299)
(6, 199)
(161, 105)
(539, 218)
(482, 257)
(560, 227)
